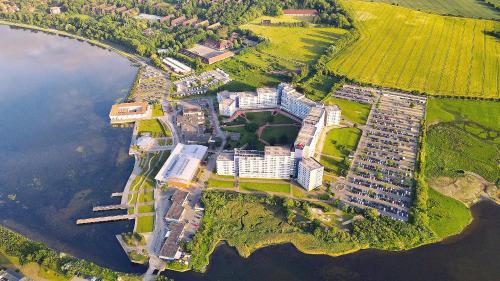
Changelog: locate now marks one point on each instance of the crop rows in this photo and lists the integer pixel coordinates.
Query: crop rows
(411, 50)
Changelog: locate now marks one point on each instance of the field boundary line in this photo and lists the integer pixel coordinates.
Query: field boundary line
(443, 67)
(469, 71)
(460, 51)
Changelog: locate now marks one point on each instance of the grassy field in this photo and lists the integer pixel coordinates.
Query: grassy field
(246, 137)
(31, 270)
(465, 8)
(340, 142)
(298, 44)
(353, 111)
(411, 50)
(145, 224)
(447, 216)
(152, 126)
(219, 183)
(463, 136)
(265, 187)
(282, 135)
(483, 113)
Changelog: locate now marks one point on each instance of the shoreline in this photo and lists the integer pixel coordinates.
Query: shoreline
(96, 43)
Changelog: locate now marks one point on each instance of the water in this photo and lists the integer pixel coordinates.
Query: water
(471, 256)
(59, 157)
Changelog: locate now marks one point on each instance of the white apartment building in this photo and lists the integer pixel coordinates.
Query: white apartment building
(333, 113)
(275, 162)
(227, 107)
(294, 102)
(310, 174)
(225, 164)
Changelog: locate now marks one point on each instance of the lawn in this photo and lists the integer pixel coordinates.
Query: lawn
(465, 8)
(341, 142)
(146, 209)
(152, 126)
(146, 196)
(298, 44)
(259, 118)
(145, 224)
(333, 165)
(246, 137)
(219, 183)
(411, 50)
(282, 135)
(157, 110)
(265, 187)
(447, 216)
(353, 111)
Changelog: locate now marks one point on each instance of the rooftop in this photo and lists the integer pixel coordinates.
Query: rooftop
(128, 108)
(277, 151)
(171, 245)
(182, 163)
(305, 135)
(310, 163)
(314, 115)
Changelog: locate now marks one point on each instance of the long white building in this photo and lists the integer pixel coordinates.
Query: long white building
(279, 162)
(275, 162)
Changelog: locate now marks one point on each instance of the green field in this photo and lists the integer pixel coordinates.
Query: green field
(463, 136)
(447, 216)
(219, 183)
(246, 137)
(483, 113)
(265, 187)
(353, 111)
(340, 142)
(411, 50)
(296, 44)
(465, 8)
(281, 135)
(152, 126)
(145, 224)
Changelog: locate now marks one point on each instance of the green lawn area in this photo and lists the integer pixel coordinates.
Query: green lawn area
(484, 113)
(447, 216)
(282, 19)
(301, 44)
(464, 8)
(333, 165)
(213, 182)
(282, 135)
(146, 209)
(259, 118)
(152, 126)
(246, 137)
(145, 224)
(340, 142)
(265, 187)
(415, 51)
(146, 196)
(157, 110)
(353, 111)
(321, 86)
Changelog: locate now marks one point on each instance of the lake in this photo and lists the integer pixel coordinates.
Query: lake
(59, 157)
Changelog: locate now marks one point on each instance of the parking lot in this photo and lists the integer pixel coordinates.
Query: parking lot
(153, 85)
(382, 170)
(199, 84)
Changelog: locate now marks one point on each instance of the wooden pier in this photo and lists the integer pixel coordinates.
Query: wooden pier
(110, 207)
(106, 219)
(117, 194)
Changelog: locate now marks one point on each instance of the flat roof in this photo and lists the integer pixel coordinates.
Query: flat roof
(277, 150)
(314, 115)
(182, 163)
(305, 135)
(310, 163)
(128, 108)
(205, 51)
(226, 156)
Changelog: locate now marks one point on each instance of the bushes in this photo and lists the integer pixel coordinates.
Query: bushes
(14, 244)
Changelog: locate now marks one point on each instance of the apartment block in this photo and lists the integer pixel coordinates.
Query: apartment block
(310, 174)
(333, 113)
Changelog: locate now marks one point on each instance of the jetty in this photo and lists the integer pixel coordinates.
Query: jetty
(106, 219)
(111, 207)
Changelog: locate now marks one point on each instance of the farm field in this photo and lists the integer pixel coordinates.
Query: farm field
(465, 8)
(297, 44)
(416, 51)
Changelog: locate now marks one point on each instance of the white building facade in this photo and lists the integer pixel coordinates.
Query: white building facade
(333, 113)
(310, 174)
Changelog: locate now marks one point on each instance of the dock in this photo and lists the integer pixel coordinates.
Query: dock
(117, 194)
(106, 219)
(110, 207)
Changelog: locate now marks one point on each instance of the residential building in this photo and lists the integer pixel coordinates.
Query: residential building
(176, 210)
(182, 165)
(275, 162)
(310, 174)
(214, 26)
(10, 275)
(294, 102)
(333, 113)
(227, 107)
(178, 21)
(129, 112)
(171, 248)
